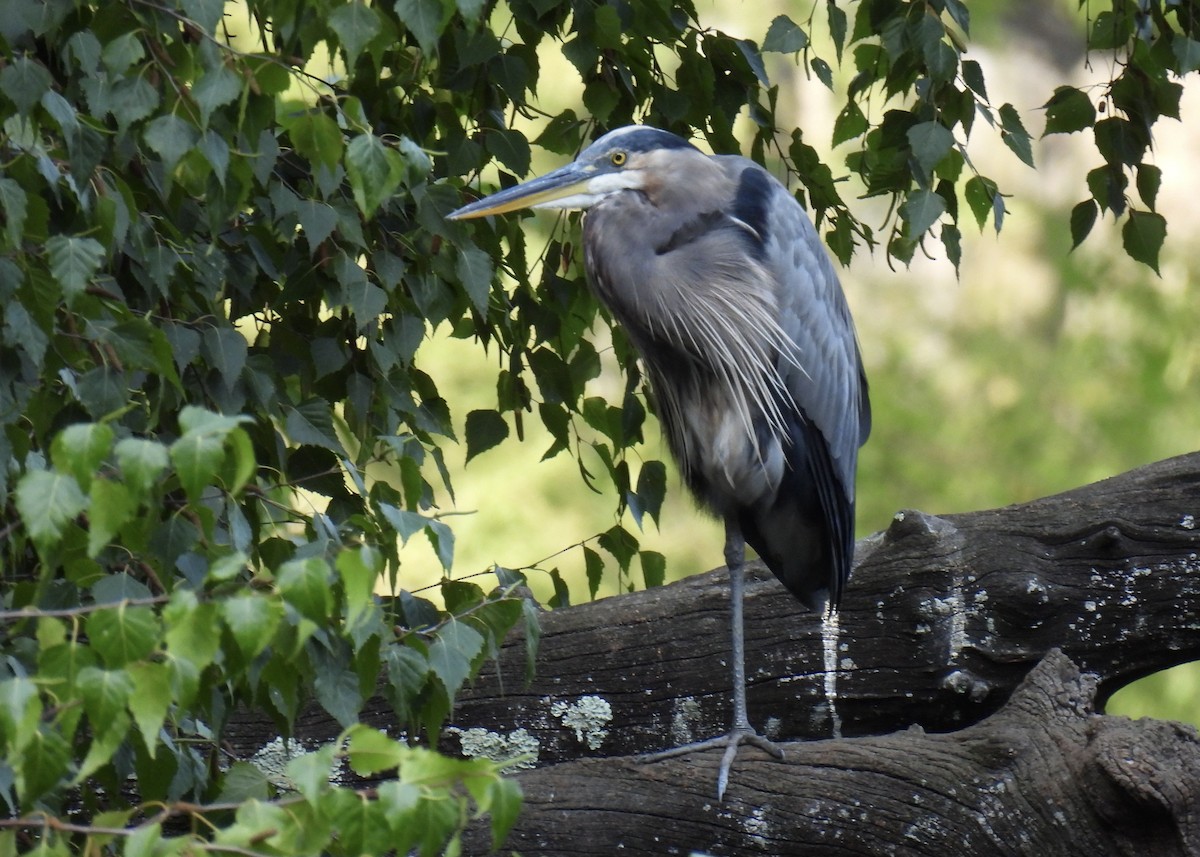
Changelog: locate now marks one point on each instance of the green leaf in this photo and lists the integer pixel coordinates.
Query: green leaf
(1068, 110)
(837, 26)
(105, 693)
(219, 86)
(312, 423)
(366, 300)
(442, 539)
(171, 138)
(198, 456)
(474, 270)
(317, 137)
(1083, 218)
(144, 841)
(375, 172)
(310, 772)
(1110, 30)
(850, 123)
(337, 686)
(485, 429)
(371, 751)
(594, 569)
(20, 712)
(503, 805)
(425, 19)
(952, 241)
(973, 77)
(620, 543)
(248, 781)
(922, 210)
(606, 28)
(404, 522)
(14, 204)
(652, 488)
(980, 193)
(454, 648)
(73, 263)
(510, 148)
(79, 449)
(961, 15)
(271, 74)
(150, 700)
(471, 10)
(141, 462)
(1143, 235)
(1186, 51)
(1119, 141)
(1149, 179)
(115, 588)
(47, 502)
(784, 36)
(359, 572)
(355, 24)
(930, 142)
(1108, 184)
(941, 61)
(24, 81)
(226, 351)
(654, 568)
(362, 827)
(750, 53)
(189, 630)
(123, 633)
(130, 100)
(1014, 135)
(304, 583)
(43, 763)
(110, 507)
(205, 13)
(823, 71)
(317, 219)
(252, 620)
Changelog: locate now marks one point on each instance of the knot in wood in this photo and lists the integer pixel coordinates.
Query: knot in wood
(910, 523)
(1143, 776)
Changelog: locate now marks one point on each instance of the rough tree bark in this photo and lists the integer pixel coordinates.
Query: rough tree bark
(943, 619)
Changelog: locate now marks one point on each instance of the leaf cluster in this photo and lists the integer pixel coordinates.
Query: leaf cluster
(1154, 45)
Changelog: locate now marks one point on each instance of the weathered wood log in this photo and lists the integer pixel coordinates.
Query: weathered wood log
(1044, 776)
(943, 617)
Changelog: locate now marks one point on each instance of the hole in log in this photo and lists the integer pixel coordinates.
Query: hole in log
(1171, 694)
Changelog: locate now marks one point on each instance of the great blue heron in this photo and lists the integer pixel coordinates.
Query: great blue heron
(721, 282)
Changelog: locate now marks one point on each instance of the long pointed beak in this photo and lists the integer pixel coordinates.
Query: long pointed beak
(553, 190)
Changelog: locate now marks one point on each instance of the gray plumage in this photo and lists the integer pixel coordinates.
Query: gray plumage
(722, 284)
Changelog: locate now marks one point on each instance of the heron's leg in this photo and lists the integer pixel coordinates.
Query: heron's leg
(741, 732)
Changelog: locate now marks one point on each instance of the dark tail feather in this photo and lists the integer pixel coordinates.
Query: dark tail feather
(805, 535)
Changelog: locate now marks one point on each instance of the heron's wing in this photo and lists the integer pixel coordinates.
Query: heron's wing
(830, 408)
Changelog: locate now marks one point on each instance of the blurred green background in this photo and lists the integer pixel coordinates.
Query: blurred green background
(1035, 371)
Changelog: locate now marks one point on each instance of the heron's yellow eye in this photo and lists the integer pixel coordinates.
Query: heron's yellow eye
(618, 159)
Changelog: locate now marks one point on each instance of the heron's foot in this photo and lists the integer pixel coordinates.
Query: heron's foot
(736, 738)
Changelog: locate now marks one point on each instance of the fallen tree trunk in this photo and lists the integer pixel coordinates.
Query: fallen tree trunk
(944, 616)
(1043, 776)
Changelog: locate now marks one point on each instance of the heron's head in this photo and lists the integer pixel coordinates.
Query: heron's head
(636, 157)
